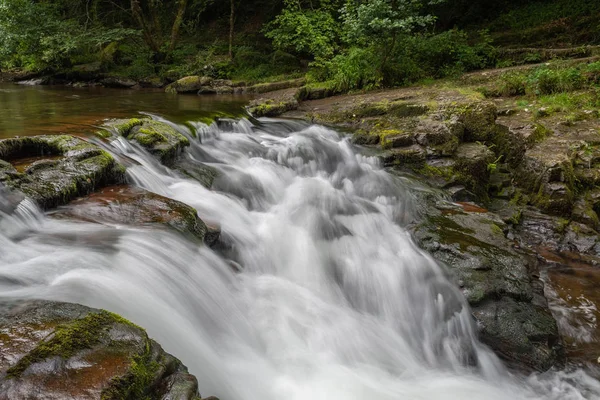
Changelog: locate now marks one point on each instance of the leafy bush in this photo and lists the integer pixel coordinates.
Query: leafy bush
(548, 81)
(355, 69)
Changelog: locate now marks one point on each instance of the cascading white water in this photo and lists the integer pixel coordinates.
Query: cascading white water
(333, 300)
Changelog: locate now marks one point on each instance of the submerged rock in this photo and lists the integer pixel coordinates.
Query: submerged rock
(133, 206)
(499, 283)
(67, 351)
(53, 170)
(159, 138)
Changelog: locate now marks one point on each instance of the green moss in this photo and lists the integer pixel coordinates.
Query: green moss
(124, 128)
(540, 133)
(67, 340)
(136, 383)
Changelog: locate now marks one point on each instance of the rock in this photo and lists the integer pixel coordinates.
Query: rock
(547, 172)
(363, 138)
(472, 161)
(273, 86)
(404, 156)
(125, 205)
(189, 84)
(436, 137)
(394, 138)
(271, 107)
(160, 139)
(116, 82)
(68, 351)
(507, 302)
(56, 169)
(193, 169)
(478, 118)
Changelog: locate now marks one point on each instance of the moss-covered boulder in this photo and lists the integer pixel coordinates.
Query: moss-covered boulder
(478, 118)
(53, 170)
(189, 84)
(158, 138)
(125, 205)
(499, 283)
(68, 351)
(272, 107)
(410, 157)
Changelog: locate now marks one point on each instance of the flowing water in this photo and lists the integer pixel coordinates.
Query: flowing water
(332, 300)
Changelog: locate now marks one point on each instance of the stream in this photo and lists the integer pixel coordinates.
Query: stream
(317, 290)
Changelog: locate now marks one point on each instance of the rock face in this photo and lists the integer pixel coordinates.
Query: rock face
(125, 205)
(53, 170)
(65, 351)
(159, 138)
(499, 283)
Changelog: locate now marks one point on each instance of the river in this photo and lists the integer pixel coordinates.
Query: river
(333, 300)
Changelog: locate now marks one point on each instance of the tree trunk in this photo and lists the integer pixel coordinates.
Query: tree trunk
(231, 23)
(149, 38)
(177, 24)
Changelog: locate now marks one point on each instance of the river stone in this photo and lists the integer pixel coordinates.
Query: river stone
(507, 302)
(56, 169)
(196, 170)
(189, 84)
(158, 138)
(64, 351)
(125, 205)
(404, 156)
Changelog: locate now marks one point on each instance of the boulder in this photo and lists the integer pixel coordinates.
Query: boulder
(117, 82)
(499, 283)
(125, 205)
(53, 170)
(158, 138)
(189, 84)
(68, 351)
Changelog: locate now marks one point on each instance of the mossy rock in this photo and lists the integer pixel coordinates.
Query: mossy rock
(72, 351)
(188, 84)
(125, 205)
(511, 312)
(158, 138)
(271, 107)
(411, 157)
(478, 118)
(56, 169)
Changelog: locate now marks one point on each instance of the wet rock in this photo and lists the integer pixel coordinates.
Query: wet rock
(404, 156)
(56, 169)
(68, 351)
(160, 139)
(125, 205)
(189, 84)
(193, 169)
(497, 281)
(273, 86)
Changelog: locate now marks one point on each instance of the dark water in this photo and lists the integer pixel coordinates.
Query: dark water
(36, 110)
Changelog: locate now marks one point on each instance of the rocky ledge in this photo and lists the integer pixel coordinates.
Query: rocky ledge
(66, 351)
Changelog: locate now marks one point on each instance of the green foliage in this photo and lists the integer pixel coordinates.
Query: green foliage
(307, 32)
(34, 36)
(355, 69)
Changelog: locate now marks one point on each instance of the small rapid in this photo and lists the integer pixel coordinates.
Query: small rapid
(315, 291)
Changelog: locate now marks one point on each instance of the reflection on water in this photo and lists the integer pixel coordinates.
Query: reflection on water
(35, 110)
